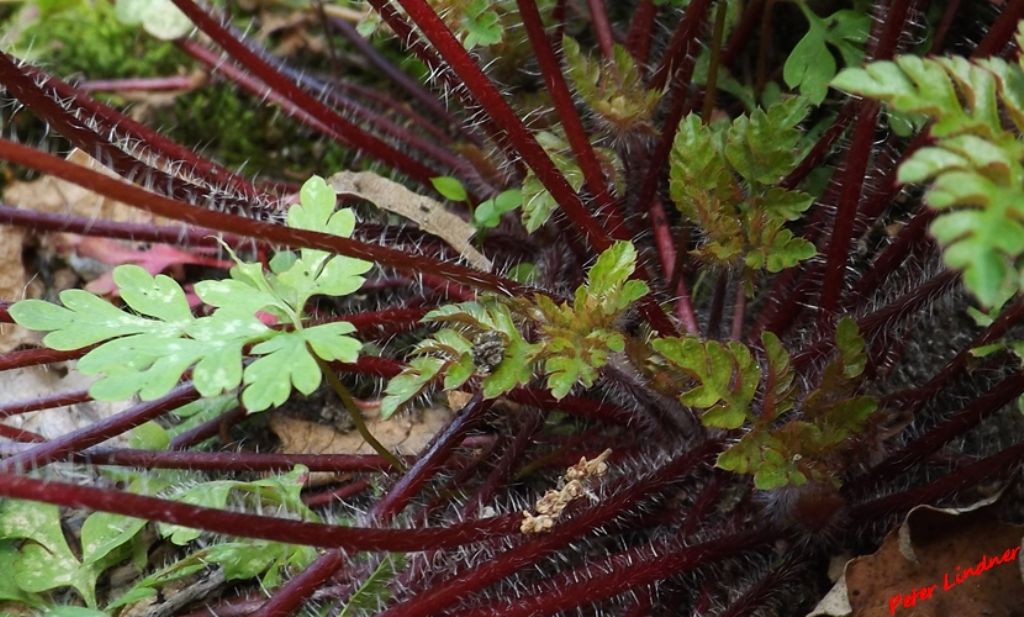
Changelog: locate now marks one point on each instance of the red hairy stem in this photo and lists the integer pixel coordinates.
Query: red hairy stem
(502, 471)
(183, 235)
(434, 454)
(678, 102)
(913, 233)
(340, 493)
(637, 567)
(100, 431)
(405, 136)
(111, 118)
(205, 430)
(661, 232)
(1001, 31)
(822, 147)
(705, 500)
(903, 307)
(408, 486)
(742, 34)
(24, 89)
(942, 29)
(385, 322)
(21, 435)
(287, 600)
(35, 357)
(399, 24)
(141, 84)
(62, 399)
(222, 461)
(958, 424)
(276, 81)
(255, 526)
(401, 108)
(641, 29)
(443, 594)
(717, 305)
(684, 36)
(854, 172)
(562, 98)
(787, 575)
(997, 465)
(573, 405)
(361, 114)
(487, 94)
(296, 238)
(377, 60)
(1008, 317)
(602, 28)
(494, 104)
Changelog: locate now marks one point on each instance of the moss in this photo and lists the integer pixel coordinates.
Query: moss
(85, 37)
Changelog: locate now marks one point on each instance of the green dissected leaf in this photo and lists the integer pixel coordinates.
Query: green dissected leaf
(764, 146)
(410, 382)
(612, 268)
(481, 24)
(85, 319)
(761, 454)
(722, 178)
(374, 592)
(103, 532)
(250, 559)
(9, 589)
(516, 369)
(780, 389)
(538, 204)
(726, 376)
(810, 65)
(613, 88)
(286, 362)
(976, 165)
(281, 491)
(149, 436)
(46, 561)
(450, 188)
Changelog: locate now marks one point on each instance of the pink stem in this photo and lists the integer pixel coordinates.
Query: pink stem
(254, 526)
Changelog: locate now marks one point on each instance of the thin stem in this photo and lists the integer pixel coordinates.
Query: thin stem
(274, 79)
(296, 238)
(711, 85)
(242, 525)
(98, 432)
(52, 401)
(440, 447)
(641, 27)
(970, 475)
(292, 594)
(357, 417)
(602, 27)
(438, 597)
(958, 424)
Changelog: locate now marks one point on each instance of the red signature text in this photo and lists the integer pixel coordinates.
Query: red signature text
(951, 580)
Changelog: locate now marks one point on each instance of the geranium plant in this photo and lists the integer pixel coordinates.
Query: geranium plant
(706, 342)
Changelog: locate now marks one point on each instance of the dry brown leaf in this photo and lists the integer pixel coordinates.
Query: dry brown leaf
(38, 381)
(938, 562)
(49, 194)
(407, 434)
(430, 215)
